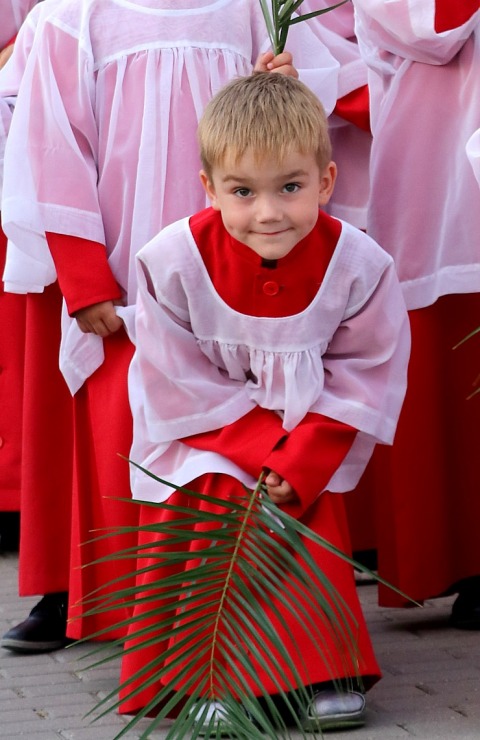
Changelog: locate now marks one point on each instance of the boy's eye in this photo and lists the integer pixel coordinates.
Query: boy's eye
(291, 187)
(242, 192)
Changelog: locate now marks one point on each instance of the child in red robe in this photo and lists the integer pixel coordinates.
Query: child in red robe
(12, 329)
(425, 211)
(106, 143)
(269, 336)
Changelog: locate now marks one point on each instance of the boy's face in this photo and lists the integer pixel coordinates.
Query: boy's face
(267, 205)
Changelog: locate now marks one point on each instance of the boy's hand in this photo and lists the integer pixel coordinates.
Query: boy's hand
(282, 63)
(279, 491)
(5, 55)
(99, 319)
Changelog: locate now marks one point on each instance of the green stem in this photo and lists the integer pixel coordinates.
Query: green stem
(229, 575)
(276, 44)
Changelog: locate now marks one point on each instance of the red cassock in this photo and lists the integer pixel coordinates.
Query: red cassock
(427, 506)
(46, 453)
(426, 487)
(12, 330)
(102, 430)
(308, 459)
(12, 340)
(62, 508)
(101, 491)
(36, 435)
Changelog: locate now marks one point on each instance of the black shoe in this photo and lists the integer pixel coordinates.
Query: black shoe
(43, 630)
(466, 607)
(9, 531)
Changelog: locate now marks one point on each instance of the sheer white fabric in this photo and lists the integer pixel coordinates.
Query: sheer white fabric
(424, 87)
(12, 15)
(25, 270)
(200, 365)
(473, 153)
(107, 117)
(351, 145)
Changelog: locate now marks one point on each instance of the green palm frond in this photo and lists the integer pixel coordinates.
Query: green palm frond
(246, 559)
(281, 14)
(476, 382)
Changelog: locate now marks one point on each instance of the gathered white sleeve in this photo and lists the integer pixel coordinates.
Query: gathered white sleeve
(366, 363)
(30, 269)
(53, 131)
(187, 394)
(407, 28)
(366, 375)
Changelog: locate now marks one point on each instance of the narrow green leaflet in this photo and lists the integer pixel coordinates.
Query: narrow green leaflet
(281, 14)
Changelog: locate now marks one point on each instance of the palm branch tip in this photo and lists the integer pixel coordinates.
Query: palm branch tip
(279, 16)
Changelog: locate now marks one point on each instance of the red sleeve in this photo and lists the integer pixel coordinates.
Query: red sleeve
(310, 456)
(247, 442)
(450, 14)
(307, 457)
(84, 275)
(12, 41)
(355, 107)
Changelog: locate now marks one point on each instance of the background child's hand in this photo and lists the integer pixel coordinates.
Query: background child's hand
(99, 319)
(282, 63)
(279, 491)
(5, 55)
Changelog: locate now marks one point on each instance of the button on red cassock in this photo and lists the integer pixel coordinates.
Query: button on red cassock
(271, 287)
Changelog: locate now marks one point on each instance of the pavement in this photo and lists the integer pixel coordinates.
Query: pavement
(430, 688)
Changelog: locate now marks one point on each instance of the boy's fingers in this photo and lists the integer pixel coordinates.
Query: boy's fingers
(113, 323)
(286, 70)
(284, 58)
(262, 61)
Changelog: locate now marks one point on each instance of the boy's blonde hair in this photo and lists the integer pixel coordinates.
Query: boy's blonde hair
(267, 113)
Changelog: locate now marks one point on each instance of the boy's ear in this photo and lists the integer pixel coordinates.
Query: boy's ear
(209, 189)
(327, 183)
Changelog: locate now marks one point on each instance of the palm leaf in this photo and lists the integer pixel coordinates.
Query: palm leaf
(281, 14)
(476, 382)
(220, 633)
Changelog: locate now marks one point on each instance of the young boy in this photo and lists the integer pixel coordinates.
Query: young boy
(269, 336)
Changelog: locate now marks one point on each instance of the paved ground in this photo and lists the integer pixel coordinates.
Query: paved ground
(430, 689)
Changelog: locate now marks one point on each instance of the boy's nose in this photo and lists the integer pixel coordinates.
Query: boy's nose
(268, 210)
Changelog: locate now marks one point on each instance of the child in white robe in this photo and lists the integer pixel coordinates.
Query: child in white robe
(271, 336)
(424, 209)
(105, 144)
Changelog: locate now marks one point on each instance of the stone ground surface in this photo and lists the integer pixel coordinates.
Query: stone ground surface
(430, 688)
